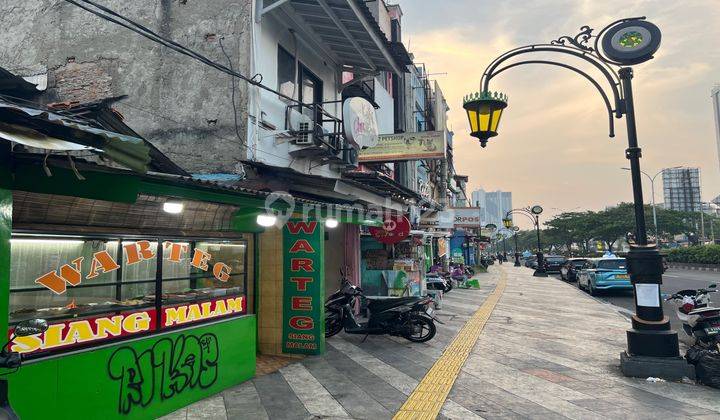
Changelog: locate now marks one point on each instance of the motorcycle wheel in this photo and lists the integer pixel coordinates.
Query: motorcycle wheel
(333, 322)
(422, 329)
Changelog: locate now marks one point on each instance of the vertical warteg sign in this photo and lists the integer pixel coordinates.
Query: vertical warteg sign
(303, 287)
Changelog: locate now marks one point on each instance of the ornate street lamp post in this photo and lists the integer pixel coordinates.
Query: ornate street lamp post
(508, 222)
(653, 348)
(533, 213)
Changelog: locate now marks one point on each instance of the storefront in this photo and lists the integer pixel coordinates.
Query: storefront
(392, 260)
(147, 282)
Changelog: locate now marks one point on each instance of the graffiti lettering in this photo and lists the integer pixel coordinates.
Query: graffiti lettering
(167, 369)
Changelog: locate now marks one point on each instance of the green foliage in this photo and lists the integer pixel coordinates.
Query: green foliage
(609, 225)
(708, 254)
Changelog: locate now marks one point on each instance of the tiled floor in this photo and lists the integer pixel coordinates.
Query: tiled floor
(547, 352)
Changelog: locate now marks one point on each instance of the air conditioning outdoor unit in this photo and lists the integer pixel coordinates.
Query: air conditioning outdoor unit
(302, 127)
(350, 157)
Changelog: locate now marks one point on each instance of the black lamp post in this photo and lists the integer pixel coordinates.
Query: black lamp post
(533, 213)
(508, 222)
(652, 346)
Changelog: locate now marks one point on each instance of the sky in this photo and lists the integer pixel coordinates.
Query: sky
(553, 147)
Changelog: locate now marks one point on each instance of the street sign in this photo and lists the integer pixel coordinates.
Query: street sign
(394, 230)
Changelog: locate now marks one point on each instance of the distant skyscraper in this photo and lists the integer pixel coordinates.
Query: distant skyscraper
(681, 188)
(716, 111)
(494, 205)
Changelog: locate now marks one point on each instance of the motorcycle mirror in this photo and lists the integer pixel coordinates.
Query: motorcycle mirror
(30, 327)
(712, 286)
(664, 295)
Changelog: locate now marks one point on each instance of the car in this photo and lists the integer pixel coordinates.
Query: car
(569, 270)
(553, 263)
(530, 261)
(604, 274)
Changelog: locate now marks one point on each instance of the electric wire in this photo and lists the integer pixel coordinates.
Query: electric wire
(181, 124)
(232, 95)
(149, 34)
(113, 17)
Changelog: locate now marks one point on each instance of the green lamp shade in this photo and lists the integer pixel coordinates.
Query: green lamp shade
(484, 110)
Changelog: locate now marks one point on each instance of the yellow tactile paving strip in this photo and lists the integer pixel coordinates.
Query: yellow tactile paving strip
(428, 398)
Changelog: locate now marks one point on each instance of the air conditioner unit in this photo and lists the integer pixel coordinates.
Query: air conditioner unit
(302, 128)
(350, 157)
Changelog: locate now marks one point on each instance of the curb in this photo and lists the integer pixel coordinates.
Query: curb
(713, 268)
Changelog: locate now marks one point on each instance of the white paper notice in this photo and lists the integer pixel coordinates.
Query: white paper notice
(647, 295)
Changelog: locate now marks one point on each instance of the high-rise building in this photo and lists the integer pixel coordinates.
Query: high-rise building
(494, 205)
(681, 188)
(715, 95)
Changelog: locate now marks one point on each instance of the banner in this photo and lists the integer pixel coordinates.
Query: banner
(406, 146)
(303, 288)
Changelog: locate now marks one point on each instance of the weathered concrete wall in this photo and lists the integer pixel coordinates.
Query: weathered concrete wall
(182, 106)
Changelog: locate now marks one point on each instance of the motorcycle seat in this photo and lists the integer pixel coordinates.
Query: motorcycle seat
(703, 310)
(379, 305)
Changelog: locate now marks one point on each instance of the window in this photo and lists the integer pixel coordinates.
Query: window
(618, 264)
(103, 281)
(286, 73)
(310, 88)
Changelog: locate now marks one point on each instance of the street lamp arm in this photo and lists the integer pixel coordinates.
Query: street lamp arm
(524, 213)
(609, 73)
(604, 95)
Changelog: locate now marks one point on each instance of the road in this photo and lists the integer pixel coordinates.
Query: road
(673, 281)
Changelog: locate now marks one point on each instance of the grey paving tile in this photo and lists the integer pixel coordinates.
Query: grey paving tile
(244, 401)
(381, 391)
(278, 398)
(358, 403)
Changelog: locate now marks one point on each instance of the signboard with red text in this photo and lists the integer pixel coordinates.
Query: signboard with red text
(76, 332)
(303, 288)
(394, 230)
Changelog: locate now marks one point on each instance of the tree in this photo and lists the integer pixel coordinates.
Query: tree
(574, 228)
(614, 223)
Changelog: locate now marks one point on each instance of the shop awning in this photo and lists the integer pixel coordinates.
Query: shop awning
(381, 182)
(345, 30)
(48, 130)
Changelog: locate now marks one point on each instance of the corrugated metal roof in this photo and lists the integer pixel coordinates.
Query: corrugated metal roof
(128, 151)
(343, 32)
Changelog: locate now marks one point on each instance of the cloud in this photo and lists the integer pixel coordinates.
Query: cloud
(553, 146)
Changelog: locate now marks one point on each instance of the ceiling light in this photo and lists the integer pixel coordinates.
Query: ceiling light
(266, 220)
(331, 223)
(173, 207)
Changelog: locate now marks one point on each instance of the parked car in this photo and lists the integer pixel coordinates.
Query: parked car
(553, 263)
(604, 274)
(569, 270)
(531, 261)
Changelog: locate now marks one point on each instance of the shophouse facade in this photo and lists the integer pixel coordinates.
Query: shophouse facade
(204, 282)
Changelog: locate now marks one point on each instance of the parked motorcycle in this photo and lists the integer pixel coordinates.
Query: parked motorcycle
(407, 317)
(439, 281)
(13, 360)
(700, 321)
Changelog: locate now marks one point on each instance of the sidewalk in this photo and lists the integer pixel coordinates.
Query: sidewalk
(547, 351)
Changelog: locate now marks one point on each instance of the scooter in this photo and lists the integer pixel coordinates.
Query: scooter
(13, 360)
(700, 321)
(407, 317)
(439, 281)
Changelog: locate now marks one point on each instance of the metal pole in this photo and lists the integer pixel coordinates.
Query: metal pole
(540, 272)
(657, 232)
(702, 224)
(517, 253)
(650, 334)
(633, 154)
